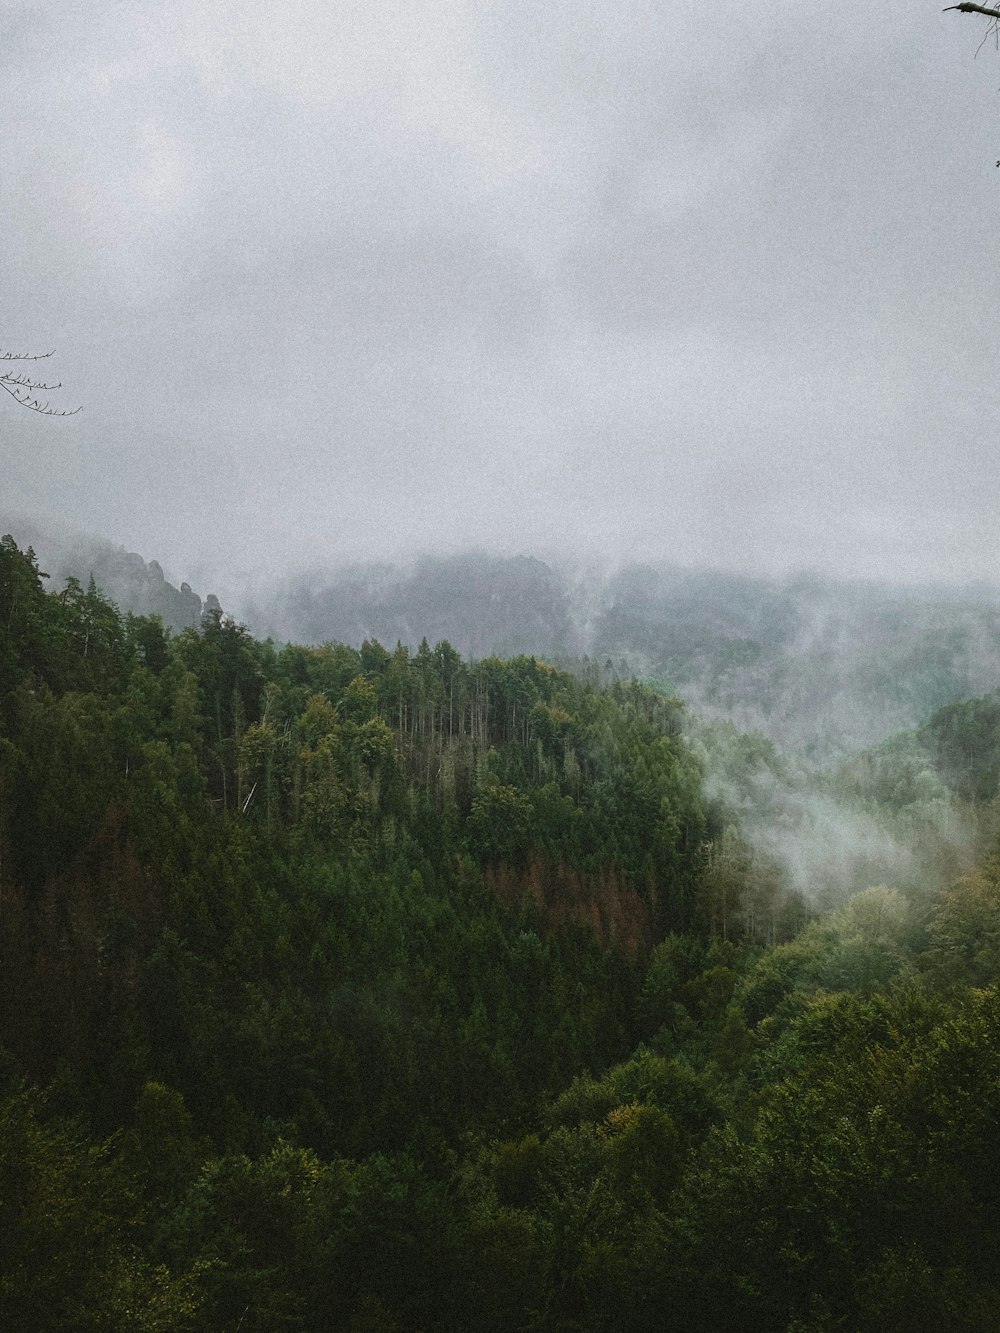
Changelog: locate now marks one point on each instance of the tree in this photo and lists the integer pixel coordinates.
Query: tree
(22, 387)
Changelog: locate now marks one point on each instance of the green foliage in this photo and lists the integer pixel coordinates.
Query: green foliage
(867, 1163)
(378, 990)
(865, 946)
(964, 929)
(501, 824)
(69, 1261)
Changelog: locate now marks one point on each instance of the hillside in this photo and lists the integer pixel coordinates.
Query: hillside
(823, 667)
(348, 988)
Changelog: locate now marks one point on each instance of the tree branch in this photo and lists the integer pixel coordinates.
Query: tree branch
(24, 382)
(21, 386)
(966, 8)
(33, 404)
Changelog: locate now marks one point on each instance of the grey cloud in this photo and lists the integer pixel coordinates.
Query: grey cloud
(655, 280)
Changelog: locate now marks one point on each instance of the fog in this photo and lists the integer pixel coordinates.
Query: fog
(610, 282)
(822, 833)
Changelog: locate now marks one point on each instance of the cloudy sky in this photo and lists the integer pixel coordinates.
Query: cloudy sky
(712, 283)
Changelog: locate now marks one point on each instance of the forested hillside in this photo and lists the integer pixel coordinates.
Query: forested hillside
(915, 811)
(821, 667)
(824, 667)
(368, 988)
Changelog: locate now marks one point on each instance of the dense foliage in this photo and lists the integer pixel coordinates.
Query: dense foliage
(369, 989)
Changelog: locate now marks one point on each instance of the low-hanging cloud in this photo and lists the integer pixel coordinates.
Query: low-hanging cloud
(349, 280)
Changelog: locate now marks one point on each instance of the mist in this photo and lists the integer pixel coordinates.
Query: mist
(820, 832)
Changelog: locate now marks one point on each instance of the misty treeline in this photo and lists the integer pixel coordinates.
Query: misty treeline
(133, 583)
(823, 666)
(378, 989)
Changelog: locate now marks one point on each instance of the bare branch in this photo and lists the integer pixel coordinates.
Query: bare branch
(43, 409)
(33, 404)
(966, 8)
(992, 30)
(26, 383)
(21, 386)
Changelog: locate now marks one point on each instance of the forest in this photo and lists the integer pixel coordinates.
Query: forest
(380, 988)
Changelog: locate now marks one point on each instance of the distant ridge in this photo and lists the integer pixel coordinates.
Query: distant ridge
(134, 584)
(482, 604)
(827, 668)
(823, 666)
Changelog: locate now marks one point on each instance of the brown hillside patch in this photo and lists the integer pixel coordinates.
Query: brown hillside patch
(602, 901)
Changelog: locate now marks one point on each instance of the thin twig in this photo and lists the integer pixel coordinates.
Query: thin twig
(21, 386)
(33, 404)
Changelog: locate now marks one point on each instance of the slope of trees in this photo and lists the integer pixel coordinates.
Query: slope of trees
(822, 666)
(373, 989)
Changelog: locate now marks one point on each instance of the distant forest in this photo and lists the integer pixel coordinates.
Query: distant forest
(825, 667)
(376, 988)
(822, 667)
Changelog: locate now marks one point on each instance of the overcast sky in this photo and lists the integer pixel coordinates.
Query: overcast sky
(711, 283)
